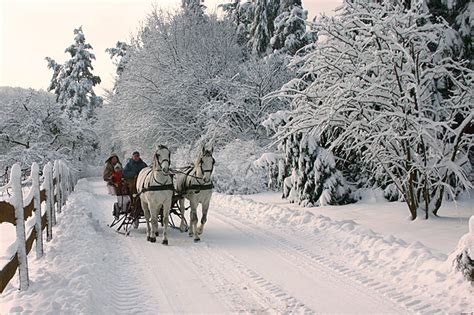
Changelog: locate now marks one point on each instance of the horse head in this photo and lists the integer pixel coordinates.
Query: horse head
(162, 159)
(205, 165)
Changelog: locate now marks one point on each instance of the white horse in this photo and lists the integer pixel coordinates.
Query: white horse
(155, 187)
(194, 183)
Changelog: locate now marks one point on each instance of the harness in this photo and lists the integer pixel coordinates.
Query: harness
(200, 187)
(156, 187)
(197, 187)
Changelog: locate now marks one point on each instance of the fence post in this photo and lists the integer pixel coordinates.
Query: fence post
(64, 178)
(57, 188)
(37, 203)
(48, 187)
(17, 201)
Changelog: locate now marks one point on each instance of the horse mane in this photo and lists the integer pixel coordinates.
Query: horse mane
(196, 167)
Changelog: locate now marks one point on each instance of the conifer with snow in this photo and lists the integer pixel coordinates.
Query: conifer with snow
(317, 180)
(289, 34)
(260, 29)
(73, 82)
(119, 55)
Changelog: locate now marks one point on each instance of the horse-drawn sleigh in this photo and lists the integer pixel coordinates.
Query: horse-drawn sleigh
(161, 194)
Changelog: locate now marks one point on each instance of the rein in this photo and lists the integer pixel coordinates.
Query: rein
(194, 186)
(200, 187)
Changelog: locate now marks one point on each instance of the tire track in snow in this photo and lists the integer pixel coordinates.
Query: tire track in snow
(298, 256)
(255, 293)
(123, 279)
(409, 303)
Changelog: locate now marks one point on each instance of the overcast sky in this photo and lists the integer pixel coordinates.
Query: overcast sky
(30, 30)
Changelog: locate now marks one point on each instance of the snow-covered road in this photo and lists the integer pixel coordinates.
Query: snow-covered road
(273, 260)
(241, 267)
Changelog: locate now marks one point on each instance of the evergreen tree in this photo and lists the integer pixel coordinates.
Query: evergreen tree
(318, 182)
(73, 82)
(270, 25)
(459, 15)
(242, 15)
(290, 33)
(260, 29)
(193, 6)
(120, 54)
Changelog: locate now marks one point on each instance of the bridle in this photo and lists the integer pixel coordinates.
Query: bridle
(203, 171)
(158, 162)
(160, 168)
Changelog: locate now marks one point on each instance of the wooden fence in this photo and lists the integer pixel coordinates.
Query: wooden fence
(47, 194)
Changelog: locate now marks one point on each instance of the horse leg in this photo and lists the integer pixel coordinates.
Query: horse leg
(166, 217)
(182, 225)
(194, 221)
(154, 225)
(205, 207)
(146, 213)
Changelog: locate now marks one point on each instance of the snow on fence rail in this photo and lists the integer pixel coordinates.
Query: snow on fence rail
(48, 193)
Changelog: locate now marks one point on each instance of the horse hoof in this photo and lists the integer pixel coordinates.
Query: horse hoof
(153, 239)
(164, 242)
(148, 238)
(157, 234)
(197, 240)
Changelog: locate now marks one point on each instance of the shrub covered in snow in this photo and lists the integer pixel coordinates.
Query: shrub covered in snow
(235, 172)
(463, 257)
(273, 164)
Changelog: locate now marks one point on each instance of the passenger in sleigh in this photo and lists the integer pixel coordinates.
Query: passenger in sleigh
(113, 175)
(133, 167)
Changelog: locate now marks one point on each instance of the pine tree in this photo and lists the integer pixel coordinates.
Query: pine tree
(318, 181)
(289, 34)
(242, 15)
(120, 54)
(73, 82)
(260, 30)
(193, 6)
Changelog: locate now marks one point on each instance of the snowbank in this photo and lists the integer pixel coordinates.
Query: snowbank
(410, 267)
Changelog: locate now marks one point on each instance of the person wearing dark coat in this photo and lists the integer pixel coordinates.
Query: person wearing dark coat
(110, 164)
(131, 170)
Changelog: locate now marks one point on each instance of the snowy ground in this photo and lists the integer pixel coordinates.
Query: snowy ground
(258, 254)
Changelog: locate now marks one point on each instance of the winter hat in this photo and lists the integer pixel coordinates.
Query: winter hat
(111, 156)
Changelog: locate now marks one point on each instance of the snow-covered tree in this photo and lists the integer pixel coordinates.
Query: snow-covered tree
(73, 82)
(195, 6)
(459, 15)
(372, 87)
(119, 55)
(270, 25)
(188, 81)
(260, 29)
(318, 182)
(241, 13)
(290, 34)
(34, 129)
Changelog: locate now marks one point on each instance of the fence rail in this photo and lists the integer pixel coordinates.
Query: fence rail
(49, 194)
